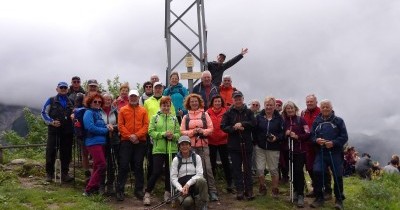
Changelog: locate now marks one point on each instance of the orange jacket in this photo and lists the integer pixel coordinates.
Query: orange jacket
(226, 94)
(133, 120)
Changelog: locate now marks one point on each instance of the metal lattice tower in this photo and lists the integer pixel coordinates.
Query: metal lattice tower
(185, 33)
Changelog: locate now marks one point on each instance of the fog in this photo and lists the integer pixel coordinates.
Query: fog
(344, 51)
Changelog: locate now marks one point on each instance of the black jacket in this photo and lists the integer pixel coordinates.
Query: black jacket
(217, 69)
(235, 137)
(273, 126)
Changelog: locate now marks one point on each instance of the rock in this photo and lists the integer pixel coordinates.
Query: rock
(18, 161)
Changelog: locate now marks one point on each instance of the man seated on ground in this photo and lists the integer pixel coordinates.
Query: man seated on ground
(364, 166)
(392, 167)
(187, 176)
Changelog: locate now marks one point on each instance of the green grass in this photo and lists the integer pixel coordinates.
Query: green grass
(380, 193)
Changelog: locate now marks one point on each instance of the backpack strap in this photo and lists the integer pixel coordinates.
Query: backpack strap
(187, 121)
(192, 154)
(203, 118)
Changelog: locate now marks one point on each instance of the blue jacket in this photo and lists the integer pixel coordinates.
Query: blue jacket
(332, 129)
(96, 129)
(273, 126)
(200, 89)
(178, 94)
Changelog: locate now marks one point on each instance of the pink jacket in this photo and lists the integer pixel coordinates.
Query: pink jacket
(197, 122)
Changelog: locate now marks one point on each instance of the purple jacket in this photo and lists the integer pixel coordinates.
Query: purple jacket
(297, 125)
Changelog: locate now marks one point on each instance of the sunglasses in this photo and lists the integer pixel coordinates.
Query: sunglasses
(149, 86)
(255, 105)
(63, 88)
(97, 102)
(76, 81)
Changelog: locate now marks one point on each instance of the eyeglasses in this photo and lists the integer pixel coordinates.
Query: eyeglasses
(148, 86)
(97, 102)
(255, 104)
(227, 80)
(63, 88)
(76, 81)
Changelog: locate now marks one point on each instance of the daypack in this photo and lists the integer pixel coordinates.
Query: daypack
(203, 119)
(192, 154)
(79, 128)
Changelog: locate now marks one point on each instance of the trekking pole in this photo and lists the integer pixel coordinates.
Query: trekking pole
(290, 142)
(335, 176)
(244, 159)
(57, 163)
(74, 154)
(291, 194)
(157, 206)
(172, 191)
(322, 168)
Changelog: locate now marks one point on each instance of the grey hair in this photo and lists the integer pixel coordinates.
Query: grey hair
(106, 94)
(326, 101)
(227, 77)
(313, 96)
(205, 72)
(290, 103)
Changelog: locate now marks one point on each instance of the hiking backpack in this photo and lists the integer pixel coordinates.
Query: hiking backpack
(192, 154)
(203, 119)
(79, 128)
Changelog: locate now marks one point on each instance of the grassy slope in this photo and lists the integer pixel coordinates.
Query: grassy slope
(381, 193)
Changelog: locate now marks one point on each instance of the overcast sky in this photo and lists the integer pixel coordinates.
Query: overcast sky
(346, 51)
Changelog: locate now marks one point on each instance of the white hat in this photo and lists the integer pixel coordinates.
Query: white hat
(133, 92)
(157, 83)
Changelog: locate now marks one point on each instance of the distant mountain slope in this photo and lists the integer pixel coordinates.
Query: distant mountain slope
(12, 118)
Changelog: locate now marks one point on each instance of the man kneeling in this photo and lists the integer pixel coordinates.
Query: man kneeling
(187, 177)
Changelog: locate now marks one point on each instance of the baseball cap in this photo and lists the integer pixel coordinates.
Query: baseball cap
(75, 78)
(134, 92)
(236, 93)
(278, 101)
(183, 139)
(157, 83)
(62, 84)
(93, 82)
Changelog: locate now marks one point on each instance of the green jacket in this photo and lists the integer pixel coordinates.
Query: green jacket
(159, 124)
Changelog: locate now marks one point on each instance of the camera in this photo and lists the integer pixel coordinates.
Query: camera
(270, 137)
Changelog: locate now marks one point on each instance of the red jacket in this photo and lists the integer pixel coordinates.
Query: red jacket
(226, 94)
(310, 115)
(218, 136)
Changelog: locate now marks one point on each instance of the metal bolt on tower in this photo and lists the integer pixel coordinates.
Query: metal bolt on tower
(185, 33)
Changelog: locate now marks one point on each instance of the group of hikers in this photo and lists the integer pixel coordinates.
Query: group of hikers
(180, 134)
(364, 166)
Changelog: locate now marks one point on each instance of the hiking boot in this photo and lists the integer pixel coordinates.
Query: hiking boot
(120, 196)
(214, 196)
(110, 189)
(66, 178)
(249, 195)
(275, 192)
(146, 199)
(300, 201)
(327, 196)
(239, 195)
(262, 189)
(310, 194)
(318, 202)
(339, 205)
(49, 178)
(139, 195)
(296, 197)
(230, 188)
(167, 196)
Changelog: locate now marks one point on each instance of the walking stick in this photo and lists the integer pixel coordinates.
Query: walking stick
(290, 142)
(203, 159)
(335, 176)
(172, 191)
(74, 149)
(57, 163)
(172, 198)
(244, 159)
